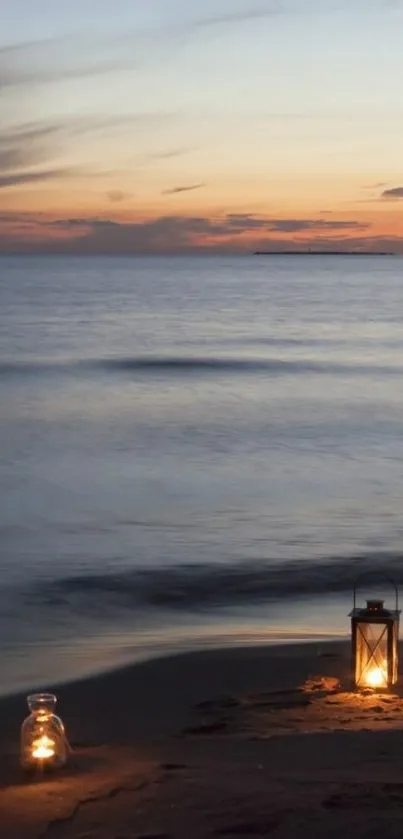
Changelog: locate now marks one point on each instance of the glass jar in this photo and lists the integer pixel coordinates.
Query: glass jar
(43, 738)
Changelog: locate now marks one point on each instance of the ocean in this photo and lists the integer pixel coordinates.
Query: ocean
(194, 451)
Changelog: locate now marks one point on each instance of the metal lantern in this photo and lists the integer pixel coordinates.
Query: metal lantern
(375, 642)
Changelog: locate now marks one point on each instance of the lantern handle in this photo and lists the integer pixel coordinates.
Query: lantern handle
(378, 574)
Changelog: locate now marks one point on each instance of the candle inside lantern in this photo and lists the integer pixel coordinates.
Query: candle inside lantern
(43, 748)
(377, 677)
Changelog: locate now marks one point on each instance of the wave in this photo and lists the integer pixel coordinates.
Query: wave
(201, 586)
(187, 365)
(26, 368)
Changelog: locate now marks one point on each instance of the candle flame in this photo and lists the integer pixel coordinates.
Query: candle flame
(376, 678)
(43, 748)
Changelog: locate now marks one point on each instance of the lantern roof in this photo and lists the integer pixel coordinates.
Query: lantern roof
(374, 612)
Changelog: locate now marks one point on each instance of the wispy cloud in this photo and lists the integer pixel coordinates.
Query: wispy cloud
(176, 189)
(30, 134)
(263, 11)
(27, 146)
(46, 61)
(17, 178)
(28, 77)
(377, 185)
(24, 149)
(33, 63)
(168, 154)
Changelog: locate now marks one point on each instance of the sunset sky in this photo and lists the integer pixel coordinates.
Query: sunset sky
(166, 125)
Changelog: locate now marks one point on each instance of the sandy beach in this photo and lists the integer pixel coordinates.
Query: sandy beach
(248, 742)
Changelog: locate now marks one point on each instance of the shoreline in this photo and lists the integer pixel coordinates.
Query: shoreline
(112, 656)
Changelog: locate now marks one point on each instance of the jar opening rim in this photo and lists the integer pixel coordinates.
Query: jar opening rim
(42, 702)
(42, 697)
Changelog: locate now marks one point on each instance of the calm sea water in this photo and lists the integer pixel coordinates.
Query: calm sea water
(192, 451)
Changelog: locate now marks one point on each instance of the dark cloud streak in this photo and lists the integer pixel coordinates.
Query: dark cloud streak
(245, 221)
(395, 193)
(176, 189)
(182, 233)
(299, 225)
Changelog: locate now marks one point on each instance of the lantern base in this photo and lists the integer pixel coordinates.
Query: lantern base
(42, 767)
(38, 771)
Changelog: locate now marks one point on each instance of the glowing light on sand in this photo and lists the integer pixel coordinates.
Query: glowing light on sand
(43, 748)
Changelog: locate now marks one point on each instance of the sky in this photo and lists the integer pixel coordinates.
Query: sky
(154, 126)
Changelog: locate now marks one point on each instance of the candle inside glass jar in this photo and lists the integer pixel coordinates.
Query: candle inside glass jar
(43, 738)
(43, 748)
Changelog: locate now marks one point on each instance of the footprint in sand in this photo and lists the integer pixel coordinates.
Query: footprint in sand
(207, 728)
(379, 797)
(253, 828)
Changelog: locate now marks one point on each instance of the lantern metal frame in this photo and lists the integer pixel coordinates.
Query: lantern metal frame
(374, 614)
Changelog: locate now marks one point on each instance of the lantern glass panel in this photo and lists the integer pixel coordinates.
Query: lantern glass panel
(372, 655)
